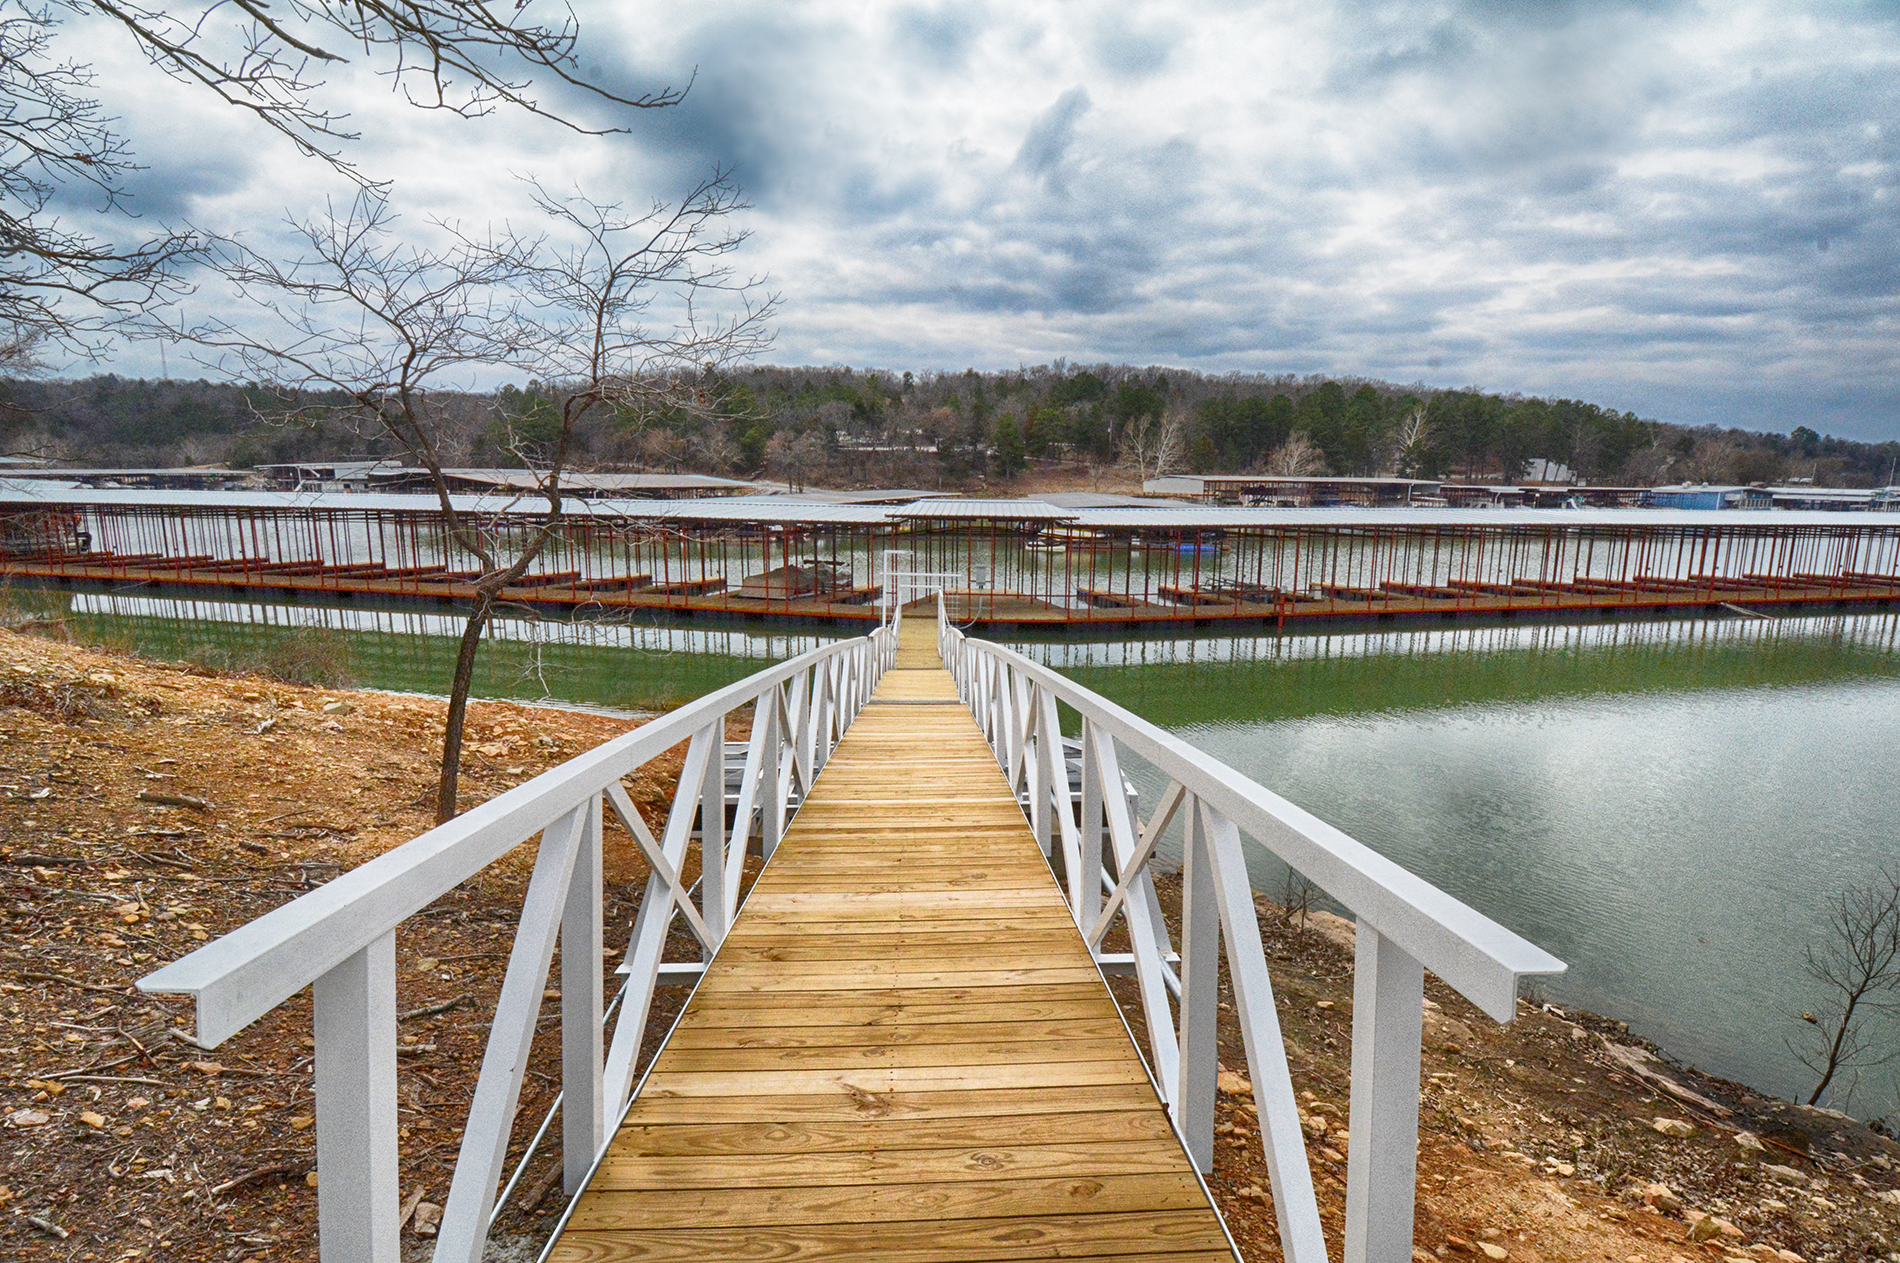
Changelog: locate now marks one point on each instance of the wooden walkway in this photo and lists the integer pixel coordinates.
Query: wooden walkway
(903, 1050)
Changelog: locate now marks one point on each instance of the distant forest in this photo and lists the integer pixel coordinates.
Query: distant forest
(843, 428)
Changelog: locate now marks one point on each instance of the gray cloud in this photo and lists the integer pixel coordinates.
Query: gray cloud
(1615, 199)
(1049, 137)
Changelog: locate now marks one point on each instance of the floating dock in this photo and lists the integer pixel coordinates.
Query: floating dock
(1025, 563)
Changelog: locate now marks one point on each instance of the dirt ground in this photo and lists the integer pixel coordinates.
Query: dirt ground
(146, 807)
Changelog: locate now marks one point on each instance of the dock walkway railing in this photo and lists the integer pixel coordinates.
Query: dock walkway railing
(1405, 925)
(340, 941)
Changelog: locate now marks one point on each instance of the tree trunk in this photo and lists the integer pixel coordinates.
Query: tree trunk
(1835, 1048)
(447, 784)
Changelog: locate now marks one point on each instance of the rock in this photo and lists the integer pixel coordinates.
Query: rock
(1749, 1142)
(337, 708)
(1890, 1196)
(1661, 1198)
(1787, 1175)
(1789, 1256)
(1676, 1127)
(1492, 1250)
(1253, 1192)
(1565, 1169)
(1458, 1244)
(1421, 1255)
(1232, 1084)
(28, 1118)
(428, 1217)
(1702, 1227)
(1323, 1005)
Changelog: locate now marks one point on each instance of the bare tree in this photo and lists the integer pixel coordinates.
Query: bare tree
(795, 458)
(384, 322)
(54, 139)
(1857, 969)
(1297, 458)
(1156, 445)
(1297, 896)
(463, 56)
(1412, 446)
(467, 57)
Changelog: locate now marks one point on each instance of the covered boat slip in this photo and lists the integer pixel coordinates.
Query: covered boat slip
(902, 1050)
(1014, 562)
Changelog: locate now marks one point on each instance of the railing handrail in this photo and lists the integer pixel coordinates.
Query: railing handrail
(241, 976)
(1474, 954)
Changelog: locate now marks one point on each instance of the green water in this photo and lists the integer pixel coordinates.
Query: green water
(617, 664)
(1666, 806)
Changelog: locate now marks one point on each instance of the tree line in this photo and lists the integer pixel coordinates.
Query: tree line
(844, 427)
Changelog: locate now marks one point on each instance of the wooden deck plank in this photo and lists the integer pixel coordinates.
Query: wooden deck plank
(857, 1203)
(1165, 1237)
(904, 1050)
(875, 1135)
(890, 1166)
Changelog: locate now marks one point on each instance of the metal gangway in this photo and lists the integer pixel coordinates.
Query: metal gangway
(899, 1041)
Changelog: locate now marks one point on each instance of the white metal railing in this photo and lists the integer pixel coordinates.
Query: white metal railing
(902, 586)
(1104, 853)
(340, 940)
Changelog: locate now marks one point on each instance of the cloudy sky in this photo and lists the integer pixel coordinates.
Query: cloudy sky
(1684, 210)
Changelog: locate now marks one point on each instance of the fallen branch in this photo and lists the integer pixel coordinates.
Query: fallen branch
(542, 1187)
(113, 1078)
(103, 1065)
(48, 1227)
(174, 800)
(32, 976)
(25, 860)
(276, 1168)
(431, 1010)
(163, 862)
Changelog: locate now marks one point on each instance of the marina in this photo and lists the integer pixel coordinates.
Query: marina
(1017, 563)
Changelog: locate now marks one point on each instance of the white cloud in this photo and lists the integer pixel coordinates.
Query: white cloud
(1683, 211)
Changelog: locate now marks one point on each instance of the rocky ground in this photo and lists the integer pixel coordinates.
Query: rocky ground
(147, 807)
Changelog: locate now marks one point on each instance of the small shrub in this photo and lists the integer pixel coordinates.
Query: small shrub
(307, 655)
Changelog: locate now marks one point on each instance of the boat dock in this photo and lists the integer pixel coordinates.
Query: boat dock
(904, 1049)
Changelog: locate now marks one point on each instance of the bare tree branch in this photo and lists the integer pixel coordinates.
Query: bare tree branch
(1857, 968)
(382, 322)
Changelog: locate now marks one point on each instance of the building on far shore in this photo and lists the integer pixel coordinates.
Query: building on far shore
(1704, 496)
(1303, 491)
(391, 476)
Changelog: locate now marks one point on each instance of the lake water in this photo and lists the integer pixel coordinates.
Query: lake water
(1666, 806)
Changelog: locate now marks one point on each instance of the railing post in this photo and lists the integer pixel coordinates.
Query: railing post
(1388, 1008)
(1283, 1142)
(1200, 993)
(1087, 892)
(491, 1116)
(583, 1109)
(715, 900)
(354, 1006)
(771, 789)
